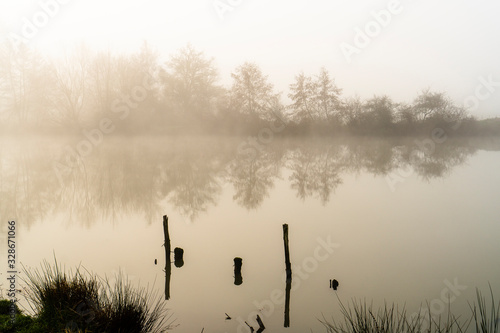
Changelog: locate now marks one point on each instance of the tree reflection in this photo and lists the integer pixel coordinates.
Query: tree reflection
(253, 178)
(373, 156)
(192, 184)
(316, 173)
(27, 183)
(438, 161)
(252, 181)
(122, 177)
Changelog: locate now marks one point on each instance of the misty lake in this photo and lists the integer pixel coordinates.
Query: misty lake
(393, 221)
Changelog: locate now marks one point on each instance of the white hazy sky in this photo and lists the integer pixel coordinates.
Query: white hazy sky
(444, 45)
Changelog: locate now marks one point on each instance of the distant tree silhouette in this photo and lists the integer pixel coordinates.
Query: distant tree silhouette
(428, 104)
(315, 100)
(380, 110)
(406, 118)
(352, 113)
(71, 102)
(327, 96)
(251, 94)
(189, 80)
(25, 84)
(76, 91)
(302, 95)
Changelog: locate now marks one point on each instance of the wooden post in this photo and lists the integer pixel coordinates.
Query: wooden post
(251, 328)
(288, 267)
(168, 263)
(238, 278)
(178, 257)
(287, 303)
(261, 325)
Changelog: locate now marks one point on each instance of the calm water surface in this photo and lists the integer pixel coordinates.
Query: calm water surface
(391, 222)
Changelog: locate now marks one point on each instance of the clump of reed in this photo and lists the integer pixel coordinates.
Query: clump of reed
(486, 320)
(362, 318)
(83, 302)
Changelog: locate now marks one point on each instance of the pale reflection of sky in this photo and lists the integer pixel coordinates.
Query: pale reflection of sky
(394, 246)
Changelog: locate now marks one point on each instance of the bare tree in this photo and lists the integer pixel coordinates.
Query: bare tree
(70, 100)
(189, 81)
(429, 104)
(103, 81)
(251, 94)
(381, 109)
(327, 96)
(352, 112)
(302, 96)
(315, 100)
(24, 84)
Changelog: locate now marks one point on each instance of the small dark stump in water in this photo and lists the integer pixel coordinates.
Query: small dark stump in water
(238, 279)
(156, 261)
(178, 257)
(334, 284)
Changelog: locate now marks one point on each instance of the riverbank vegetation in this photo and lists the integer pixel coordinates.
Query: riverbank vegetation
(138, 93)
(362, 318)
(65, 303)
(83, 302)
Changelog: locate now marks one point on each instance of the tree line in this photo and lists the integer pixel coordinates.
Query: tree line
(142, 94)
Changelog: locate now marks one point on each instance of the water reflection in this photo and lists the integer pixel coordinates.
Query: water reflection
(252, 180)
(316, 172)
(288, 270)
(126, 176)
(168, 262)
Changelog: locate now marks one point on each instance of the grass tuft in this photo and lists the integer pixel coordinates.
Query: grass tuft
(486, 321)
(83, 302)
(360, 318)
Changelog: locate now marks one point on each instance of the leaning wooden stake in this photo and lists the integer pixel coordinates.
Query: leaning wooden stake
(261, 325)
(168, 263)
(288, 267)
(251, 328)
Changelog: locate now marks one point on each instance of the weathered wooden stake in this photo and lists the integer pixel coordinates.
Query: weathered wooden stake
(238, 278)
(168, 263)
(261, 325)
(178, 257)
(288, 267)
(251, 328)
(287, 303)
